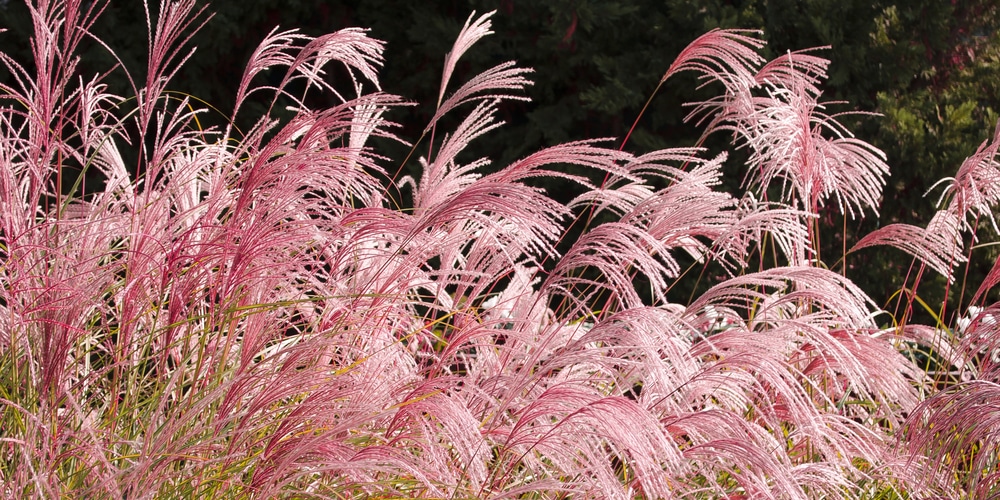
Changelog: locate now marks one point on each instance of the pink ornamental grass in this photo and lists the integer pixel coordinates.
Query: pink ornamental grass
(252, 316)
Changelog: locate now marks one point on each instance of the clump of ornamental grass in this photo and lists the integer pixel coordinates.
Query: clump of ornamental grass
(254, 315)
(958, 425)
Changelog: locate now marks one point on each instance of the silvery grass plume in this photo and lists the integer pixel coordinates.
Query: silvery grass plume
(253, 315)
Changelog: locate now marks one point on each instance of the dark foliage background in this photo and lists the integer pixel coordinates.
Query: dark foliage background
(931, 67)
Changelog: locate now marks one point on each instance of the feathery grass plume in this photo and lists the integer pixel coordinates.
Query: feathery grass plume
(684, 215)
(174, 27)
(957, 424)
(728, 56)
(959, 427)
(776, 111)
(796, 347)
(759, 222)
(939, 246)
(501, 82)
(785, 136)
(796, 70)
(140, 321)
(955, 427)
(471, 33)
(976, 186)
(253, 316)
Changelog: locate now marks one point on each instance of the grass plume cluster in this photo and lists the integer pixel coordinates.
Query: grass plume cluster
(272, 313)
